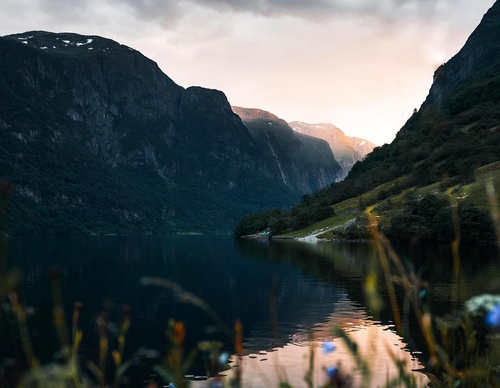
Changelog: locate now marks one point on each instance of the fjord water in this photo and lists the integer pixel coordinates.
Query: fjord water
(281, 290)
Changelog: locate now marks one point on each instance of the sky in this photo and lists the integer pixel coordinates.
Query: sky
(363, 65)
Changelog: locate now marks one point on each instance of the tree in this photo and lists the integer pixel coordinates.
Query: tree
(476, 224)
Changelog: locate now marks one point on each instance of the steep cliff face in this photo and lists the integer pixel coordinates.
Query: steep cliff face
(96, 139)
(457, 128)
(347, 150)
(477, 60)
(305, 162)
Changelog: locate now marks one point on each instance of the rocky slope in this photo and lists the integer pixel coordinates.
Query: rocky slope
(304, 161)
(347, 150)
(96, 139)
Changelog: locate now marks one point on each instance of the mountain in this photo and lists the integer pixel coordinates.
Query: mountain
(305, 162)
(347, 150)
(363, 146)
(457, 127)
(97, 139)
(455, 131)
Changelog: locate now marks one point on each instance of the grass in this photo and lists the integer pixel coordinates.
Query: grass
(351, 209)
(476, 192)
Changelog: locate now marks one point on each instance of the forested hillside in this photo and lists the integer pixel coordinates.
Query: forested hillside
(96, 139)
(455, 131)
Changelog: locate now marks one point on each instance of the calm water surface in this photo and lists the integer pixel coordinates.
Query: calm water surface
(281, 290)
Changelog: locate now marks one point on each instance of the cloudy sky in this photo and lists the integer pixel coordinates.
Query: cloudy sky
(363, 65)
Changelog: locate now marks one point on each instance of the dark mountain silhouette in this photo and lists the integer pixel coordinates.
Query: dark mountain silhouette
(96, 139)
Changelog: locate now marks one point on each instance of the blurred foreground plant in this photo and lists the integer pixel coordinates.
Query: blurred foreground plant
(463, 347)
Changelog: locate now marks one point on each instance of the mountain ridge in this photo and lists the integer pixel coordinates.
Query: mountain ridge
(346, 149)
(308, 159)
(97, 139)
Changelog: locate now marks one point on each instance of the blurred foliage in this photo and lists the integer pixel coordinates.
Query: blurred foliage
(430, 219)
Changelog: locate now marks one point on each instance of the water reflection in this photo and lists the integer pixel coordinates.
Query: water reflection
(378, 344)
(348, 263)
(281, 291)
(344, 265)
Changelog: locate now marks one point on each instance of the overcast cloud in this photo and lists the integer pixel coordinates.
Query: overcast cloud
(307, 9)
(360, 64)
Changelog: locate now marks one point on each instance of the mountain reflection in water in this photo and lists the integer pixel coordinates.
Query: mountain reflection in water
(345, 266)
(377, 344)
(281, 291)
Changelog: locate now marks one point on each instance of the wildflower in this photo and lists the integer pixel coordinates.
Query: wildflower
(328, 347)
(493, 317)
(332, 372)
(238, 337)
(76, 314)
(423, 295)
(223, 358)
(216, 384)
(179, 332)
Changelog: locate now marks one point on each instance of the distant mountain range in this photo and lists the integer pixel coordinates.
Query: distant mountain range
(347, 150)
(96, 140)
(304, 161)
